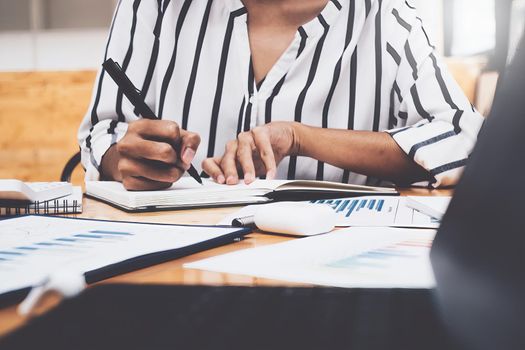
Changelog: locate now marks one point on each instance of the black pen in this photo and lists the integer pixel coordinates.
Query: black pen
(133, 95)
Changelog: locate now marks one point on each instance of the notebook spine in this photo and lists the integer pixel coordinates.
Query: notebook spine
(54, 207)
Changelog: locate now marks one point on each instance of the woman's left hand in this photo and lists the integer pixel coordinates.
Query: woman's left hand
(255, 153)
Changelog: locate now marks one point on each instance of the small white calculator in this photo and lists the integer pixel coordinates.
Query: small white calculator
(33, 191)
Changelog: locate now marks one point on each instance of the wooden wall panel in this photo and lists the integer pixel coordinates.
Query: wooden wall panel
(39, 116)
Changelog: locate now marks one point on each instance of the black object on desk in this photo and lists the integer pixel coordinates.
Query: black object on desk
(478, 253)
(134, 96)
(178, 317)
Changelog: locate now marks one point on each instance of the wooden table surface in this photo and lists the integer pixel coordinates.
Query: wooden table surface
(172, 272)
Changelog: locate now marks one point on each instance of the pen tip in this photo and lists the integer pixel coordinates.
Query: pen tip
(194, 174)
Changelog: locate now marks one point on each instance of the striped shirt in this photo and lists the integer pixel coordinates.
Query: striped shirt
(360, 65)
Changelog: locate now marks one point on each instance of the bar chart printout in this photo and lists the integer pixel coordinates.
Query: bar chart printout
(357, 257)
(378, 211)
(33, 247)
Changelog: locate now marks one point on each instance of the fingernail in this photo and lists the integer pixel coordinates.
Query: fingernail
(249, 178)
(220, 179)
(231, 180)
(188, 155)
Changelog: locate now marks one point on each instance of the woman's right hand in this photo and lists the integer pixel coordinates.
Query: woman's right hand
(151, 156)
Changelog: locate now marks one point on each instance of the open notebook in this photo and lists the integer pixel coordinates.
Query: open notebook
(186, 193)
(70, 204)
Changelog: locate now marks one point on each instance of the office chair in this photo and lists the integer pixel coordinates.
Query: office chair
(70, 167)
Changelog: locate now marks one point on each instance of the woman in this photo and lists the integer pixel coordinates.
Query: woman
(277, 88)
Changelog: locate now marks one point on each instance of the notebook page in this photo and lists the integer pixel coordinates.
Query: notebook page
(186, 191)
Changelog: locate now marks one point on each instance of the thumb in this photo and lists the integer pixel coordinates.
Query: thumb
(190, 143)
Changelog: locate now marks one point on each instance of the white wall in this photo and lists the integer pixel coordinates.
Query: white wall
(74, 49)
(53, 34)
(52, 50)
(431, 11)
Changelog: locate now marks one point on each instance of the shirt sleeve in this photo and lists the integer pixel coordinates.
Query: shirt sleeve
(440, 124)
(107, 118)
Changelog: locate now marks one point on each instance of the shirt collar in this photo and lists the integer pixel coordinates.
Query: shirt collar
(233, 5)
(327, 16)
(313, 28)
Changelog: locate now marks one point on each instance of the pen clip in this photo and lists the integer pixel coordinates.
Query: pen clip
(117, 73)
(119, 68)
(126, 86)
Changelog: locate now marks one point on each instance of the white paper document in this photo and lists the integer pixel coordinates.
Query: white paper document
(351, 258)
(376, 211)
(32, 247)
(435, 207)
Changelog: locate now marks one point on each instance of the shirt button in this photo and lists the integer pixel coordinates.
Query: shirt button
(252, 99)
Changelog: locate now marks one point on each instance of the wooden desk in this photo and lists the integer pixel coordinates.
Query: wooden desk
(172, 272)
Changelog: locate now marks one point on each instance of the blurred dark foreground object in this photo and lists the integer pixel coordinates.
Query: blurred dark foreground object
(478, 254)
(179, 317)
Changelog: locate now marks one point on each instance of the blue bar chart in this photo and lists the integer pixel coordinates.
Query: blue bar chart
(59, 248)
(404, 252)
(352, 206)
(376, 211)
(363, 211)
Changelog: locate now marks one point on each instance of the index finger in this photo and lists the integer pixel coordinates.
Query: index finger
(157, 130)
(244, 156)
(261, 138)
(190, 143)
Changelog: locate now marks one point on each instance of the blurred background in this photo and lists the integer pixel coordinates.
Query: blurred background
(50, 49)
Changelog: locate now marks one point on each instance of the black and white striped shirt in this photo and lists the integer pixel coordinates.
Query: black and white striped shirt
(360, 64)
